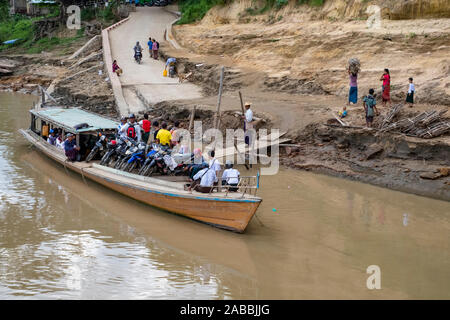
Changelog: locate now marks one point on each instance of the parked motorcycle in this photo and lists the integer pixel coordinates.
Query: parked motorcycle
(135, 157)
(112, 147)
(98, 147)
(155, 163)
(121, 153)
(148, 159)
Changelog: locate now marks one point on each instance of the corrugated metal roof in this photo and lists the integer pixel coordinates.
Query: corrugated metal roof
(69, 118)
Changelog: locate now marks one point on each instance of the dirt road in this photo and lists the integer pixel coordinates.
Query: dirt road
(146, 78)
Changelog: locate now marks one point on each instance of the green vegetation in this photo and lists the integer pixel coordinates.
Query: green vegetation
(17, 27)
(312, 3)
(105, 14)
(22, 27)
(195, 10)
(47, 44)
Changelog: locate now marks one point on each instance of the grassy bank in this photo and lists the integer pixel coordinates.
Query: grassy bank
(195, 10)
(22, 27)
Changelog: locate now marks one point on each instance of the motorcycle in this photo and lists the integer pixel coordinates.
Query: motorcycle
(148, 159)
(155, 163)
(112, 147)
(171, 71)
(121, 153)
(135, 157)
(97, 147)
(138, 57)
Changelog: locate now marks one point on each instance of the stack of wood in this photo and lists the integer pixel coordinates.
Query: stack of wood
(428, 124)
(391, 115)
(434, 130)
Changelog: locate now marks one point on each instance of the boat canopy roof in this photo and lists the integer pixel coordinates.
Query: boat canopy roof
(72, 117)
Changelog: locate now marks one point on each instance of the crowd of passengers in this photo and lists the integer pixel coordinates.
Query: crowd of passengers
(203, 175)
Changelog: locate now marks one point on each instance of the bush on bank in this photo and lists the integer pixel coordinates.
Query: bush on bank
(195, 10)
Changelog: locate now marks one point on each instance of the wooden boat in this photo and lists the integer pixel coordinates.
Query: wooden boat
(228, 210)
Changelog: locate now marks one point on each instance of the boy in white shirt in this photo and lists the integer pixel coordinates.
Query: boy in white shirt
(410, 94)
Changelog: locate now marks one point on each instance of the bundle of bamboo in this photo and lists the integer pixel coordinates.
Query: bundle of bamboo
(426, 125)
(391, 115)
(435, 130)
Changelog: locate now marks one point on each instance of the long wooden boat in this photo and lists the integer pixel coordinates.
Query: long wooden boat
(232, 211)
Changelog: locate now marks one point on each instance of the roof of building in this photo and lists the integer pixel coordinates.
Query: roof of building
(71, 117)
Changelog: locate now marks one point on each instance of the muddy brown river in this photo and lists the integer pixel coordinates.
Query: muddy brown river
(314, 238)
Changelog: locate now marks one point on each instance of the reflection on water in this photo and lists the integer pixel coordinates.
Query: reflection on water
(63, 238)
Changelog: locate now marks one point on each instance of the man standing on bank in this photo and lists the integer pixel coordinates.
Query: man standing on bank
(248, 123)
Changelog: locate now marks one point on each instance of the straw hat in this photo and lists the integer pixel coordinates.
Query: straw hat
(247, 104)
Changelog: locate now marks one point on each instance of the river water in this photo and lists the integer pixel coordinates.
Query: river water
(315, 237)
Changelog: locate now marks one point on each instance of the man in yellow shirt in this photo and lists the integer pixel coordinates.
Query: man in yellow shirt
(164, 137)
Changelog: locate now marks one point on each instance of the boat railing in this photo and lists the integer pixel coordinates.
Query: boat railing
(247, 185)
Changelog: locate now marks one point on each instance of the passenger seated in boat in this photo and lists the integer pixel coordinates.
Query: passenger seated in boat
(198, 164)
(71, 149)
(214, 164)
(52, 137)
(183, 148)
(204, 180)
(60, 140)
(230, 177)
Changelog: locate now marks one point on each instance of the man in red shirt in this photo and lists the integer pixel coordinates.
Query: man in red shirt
(145, 125)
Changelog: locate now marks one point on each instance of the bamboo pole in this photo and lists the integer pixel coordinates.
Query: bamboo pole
(219, 98)
(242, 103)
(191, 120)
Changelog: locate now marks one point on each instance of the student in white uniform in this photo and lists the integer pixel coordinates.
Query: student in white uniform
(214, 164)
(204, 180)
(230, 176)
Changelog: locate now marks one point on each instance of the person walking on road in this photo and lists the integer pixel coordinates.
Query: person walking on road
(155, 49)
(150, 47)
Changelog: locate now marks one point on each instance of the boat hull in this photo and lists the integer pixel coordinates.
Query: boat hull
(229, 213)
